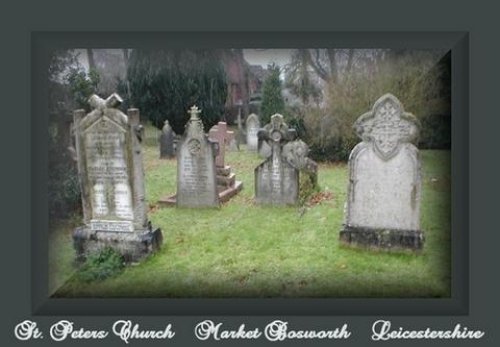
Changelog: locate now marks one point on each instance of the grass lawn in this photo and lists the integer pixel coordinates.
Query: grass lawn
(245, 250)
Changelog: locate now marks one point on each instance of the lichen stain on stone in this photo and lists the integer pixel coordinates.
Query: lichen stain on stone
(414, 197)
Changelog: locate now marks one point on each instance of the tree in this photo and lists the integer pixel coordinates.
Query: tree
(415, 77)
(63, 188)
(272, 100)
(298, 78)
(164, 84)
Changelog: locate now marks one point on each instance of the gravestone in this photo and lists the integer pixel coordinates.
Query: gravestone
(227, 185)
(167, 149)
(111, 175)
(276, 181)
(252, 128)
(383, 206)
(196, 174)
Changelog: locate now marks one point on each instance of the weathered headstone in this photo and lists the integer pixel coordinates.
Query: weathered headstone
(196, 175)
(252, 128)
(226, 180)
(383, 206)
(167, 149)
(276, 181)
(111, 177)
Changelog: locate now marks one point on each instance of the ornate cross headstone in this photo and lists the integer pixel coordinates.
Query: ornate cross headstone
(167, 141)
(219, 134)
(276, 181)
(111, 177)
(383, 206)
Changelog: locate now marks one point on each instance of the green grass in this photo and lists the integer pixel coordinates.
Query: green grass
(246, 250)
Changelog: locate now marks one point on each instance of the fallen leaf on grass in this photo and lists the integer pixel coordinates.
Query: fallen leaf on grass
(319, 197)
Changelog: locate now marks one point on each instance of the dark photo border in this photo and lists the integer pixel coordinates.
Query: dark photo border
(475, 234)
(43, 43)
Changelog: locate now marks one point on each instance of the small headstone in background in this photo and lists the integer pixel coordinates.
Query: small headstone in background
(383, 205)
(167, 149)
(109, 160)
(276, 181)
(252, 128)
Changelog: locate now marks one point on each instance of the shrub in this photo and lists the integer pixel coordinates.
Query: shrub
(417, 78)
(272, 100)
(101, 265)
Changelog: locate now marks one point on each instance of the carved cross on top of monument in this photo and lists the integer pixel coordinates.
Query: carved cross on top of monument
(277, 131)
(387, 126)
(194, 111)
(194, 126)
(113, 101)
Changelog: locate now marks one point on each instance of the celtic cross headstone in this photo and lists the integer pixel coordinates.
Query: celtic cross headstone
(276, 181)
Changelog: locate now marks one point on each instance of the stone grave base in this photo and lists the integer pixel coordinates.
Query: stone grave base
(133, 246)
(390, 239)
(225, 193)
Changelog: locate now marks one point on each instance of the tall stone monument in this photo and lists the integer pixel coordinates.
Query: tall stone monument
(276, 181)
(111, 178)
(196, 175)
(383, 205)
(252, 128)
(167, 149)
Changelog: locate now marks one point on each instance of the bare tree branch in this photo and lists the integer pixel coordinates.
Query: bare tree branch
(90, 57)
(318, 69)
(333, 64)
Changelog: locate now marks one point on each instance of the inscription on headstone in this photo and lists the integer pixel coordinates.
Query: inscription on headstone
(383, 206)
(111, 178)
